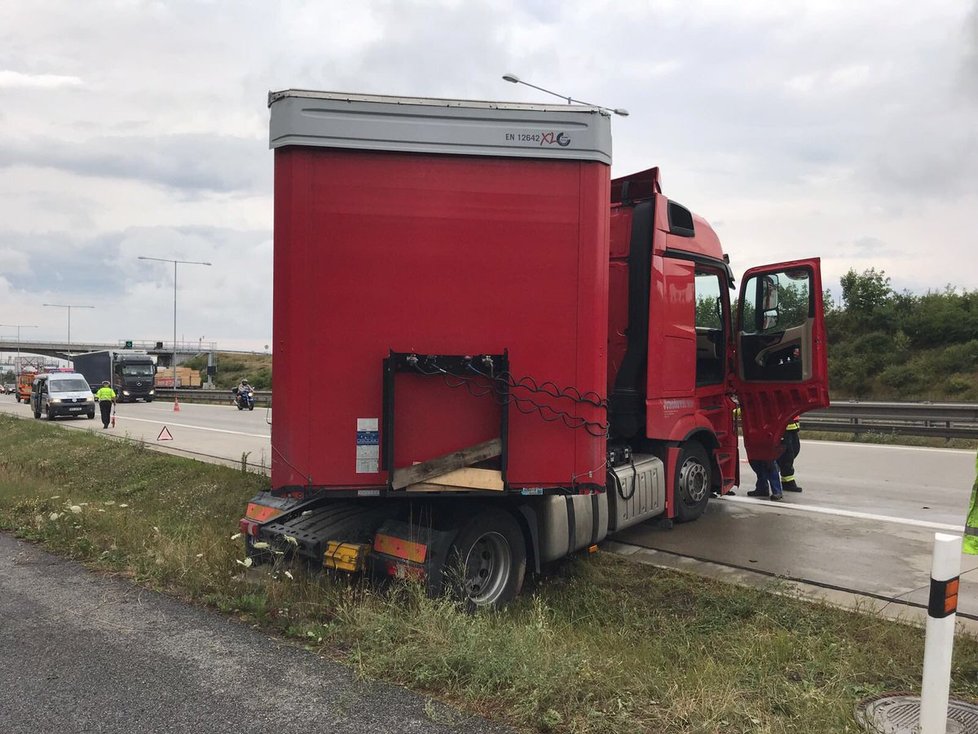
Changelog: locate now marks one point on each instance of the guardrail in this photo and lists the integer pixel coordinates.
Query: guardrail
(211, 397)
(939, 420)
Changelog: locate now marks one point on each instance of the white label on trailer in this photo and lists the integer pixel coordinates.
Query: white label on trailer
(368, 445)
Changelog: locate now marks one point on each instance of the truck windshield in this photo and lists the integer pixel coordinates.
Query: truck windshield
(73, 385)
(138, 370)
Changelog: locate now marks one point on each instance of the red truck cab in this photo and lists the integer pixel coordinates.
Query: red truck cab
(679, 358)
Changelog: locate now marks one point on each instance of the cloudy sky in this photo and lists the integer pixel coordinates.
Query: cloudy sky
(847, 130)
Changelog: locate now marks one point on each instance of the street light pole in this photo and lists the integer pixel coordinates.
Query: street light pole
(61, 305)
(175, 263)
(18, 327)
(516, 80)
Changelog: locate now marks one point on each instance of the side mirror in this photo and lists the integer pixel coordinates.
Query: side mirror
(769, 285)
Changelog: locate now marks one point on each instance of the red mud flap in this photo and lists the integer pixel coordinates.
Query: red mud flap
(405, 551)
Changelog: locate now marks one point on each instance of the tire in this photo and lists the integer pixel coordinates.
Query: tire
(240, 406)
(251, 407)
(488, 560)
(49, 415)
(693, 482)
(91, 415)
(149, 400)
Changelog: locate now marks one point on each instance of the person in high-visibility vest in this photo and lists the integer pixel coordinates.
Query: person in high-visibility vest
(791, 445)
(970, 544)
(105, 397)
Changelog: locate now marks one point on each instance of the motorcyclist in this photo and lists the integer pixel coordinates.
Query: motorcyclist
(244, 388)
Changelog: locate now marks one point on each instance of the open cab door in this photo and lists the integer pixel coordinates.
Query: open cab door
(781, 361)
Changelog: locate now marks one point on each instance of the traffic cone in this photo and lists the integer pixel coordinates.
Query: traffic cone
(176, 404)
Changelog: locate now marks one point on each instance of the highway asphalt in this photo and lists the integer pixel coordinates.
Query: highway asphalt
(82, 653)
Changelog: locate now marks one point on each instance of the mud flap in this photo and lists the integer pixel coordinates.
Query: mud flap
(403, 550)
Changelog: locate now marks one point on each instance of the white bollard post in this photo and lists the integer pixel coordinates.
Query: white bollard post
(939, 642)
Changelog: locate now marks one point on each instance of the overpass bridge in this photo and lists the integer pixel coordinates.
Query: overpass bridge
(162, 350)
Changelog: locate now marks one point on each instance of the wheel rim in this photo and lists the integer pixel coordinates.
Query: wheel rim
(487, 568)
(693, 481)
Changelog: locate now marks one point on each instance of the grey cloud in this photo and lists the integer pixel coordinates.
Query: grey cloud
(189, 163)
(867, 246)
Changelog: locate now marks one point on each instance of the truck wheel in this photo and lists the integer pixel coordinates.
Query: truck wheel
(489, 560)
(693, 482)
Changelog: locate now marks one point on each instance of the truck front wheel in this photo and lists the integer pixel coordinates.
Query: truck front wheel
(693, 482)
(488, 560)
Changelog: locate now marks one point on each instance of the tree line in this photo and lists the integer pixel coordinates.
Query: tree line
(886, 345)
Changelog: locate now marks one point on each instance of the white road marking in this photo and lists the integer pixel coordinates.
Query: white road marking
(196, 428)
(766, 504)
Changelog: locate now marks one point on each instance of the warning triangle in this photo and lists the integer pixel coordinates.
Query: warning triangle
(165, 435)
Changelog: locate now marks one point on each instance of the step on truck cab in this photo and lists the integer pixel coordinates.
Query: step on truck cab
(515, 355)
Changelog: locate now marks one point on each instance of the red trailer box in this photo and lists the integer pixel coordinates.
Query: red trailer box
(406, 228)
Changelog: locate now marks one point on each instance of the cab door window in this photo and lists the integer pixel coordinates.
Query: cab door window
(710, 332)
(776, 320)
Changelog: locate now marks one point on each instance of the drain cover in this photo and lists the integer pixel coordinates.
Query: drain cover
(899, 713)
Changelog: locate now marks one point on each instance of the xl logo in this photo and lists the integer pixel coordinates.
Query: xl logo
(553, 138)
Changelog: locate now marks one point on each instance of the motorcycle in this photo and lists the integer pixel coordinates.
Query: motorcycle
(244, 399)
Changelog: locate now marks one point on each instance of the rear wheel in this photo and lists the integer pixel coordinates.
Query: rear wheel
(489, 560)
(693, 482)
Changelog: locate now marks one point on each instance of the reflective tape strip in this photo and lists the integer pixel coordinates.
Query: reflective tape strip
(787, 478)
(943, 601)
(792, 427)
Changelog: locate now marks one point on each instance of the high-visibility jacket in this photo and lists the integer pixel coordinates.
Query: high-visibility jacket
(794, 425)
(970, 544)
(105, 393)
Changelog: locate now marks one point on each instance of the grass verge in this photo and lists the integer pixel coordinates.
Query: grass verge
(600, 645)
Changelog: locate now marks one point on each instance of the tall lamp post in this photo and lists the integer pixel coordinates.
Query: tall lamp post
(516, 80)
(62, 305)
(175, 263)
(18, 327)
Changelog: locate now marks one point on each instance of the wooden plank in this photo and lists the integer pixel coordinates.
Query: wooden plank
(461, 479)
(471, 478)
(445, 464)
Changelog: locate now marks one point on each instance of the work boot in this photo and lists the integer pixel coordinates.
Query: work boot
(777, 497)
(758, 493)
(791, 487)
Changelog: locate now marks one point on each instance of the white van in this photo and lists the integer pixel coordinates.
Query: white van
(62, 393)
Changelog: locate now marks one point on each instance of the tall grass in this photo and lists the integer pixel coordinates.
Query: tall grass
(599, 645)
